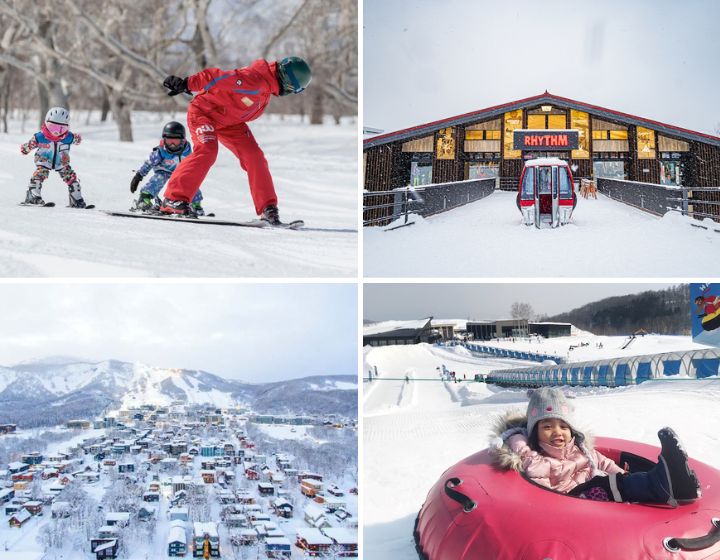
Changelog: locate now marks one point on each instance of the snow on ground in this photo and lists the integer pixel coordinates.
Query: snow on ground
(413, 431)
(486, 239)
(315, 173)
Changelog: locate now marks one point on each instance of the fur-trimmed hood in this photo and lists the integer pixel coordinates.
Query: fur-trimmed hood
(515, 422)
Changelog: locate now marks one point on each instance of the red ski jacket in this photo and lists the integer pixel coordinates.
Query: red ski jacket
(231, 97)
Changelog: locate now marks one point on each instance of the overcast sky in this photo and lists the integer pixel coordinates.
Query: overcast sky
(256, 333)
(426, 60)
(382, 302)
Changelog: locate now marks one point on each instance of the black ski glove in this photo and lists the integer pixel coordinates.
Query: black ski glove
(176, 85)
(135, 182)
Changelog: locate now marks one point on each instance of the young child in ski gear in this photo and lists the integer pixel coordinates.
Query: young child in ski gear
(53, 152)
(226, 101)
(163, 160)
(546, 445)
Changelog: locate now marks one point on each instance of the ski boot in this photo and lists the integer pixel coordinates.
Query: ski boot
(177, 208)
(33, 196)
(146, 202)
(271, 215)
(75, 196)
(197, 206)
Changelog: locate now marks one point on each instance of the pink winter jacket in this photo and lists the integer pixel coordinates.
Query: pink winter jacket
(560, 469)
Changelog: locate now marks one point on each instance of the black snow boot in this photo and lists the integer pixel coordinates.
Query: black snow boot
(684, 481)
(271, 215)
(178, 208)
(33, 195)
(671, 480)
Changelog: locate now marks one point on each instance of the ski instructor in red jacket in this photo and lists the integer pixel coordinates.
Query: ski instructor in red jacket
(225, 102)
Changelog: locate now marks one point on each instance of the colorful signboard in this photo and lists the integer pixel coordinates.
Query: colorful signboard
(705, 313)
(545, 140)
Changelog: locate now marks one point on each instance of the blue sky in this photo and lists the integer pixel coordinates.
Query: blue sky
(253, 332)
(425, 60)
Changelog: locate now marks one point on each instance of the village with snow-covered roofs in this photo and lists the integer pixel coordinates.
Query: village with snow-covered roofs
(180, 480)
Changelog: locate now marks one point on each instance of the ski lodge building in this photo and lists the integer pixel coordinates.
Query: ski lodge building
(629, 152)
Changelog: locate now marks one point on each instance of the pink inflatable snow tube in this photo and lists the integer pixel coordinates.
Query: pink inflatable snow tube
(477, 512)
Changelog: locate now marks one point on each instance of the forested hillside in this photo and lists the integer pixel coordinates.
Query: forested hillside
(662, 311)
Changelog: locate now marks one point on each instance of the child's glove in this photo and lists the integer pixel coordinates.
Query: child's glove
(176, 85)
(135, 182)
(25, 149)
(76, 138)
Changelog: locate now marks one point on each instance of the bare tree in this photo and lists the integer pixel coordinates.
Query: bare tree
(522, 310)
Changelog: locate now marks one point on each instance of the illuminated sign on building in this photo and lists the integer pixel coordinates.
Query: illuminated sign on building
(546, 140)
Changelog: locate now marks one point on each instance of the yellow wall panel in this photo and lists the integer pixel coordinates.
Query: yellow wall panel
(645, 143)
(424, 144)
(580, 121)
(512, 121)
(536, 122)
(557, 122)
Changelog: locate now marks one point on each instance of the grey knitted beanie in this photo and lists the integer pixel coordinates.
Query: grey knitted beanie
(549, 403)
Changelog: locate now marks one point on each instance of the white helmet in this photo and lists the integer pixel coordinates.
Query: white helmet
(58, 115)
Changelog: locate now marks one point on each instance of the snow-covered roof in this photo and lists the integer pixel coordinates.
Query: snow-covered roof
(313, 536)
(105, 546)
(391, 326)
(549, 98)
(545, 161)
(458, 324)
(341, 535)
(202, 528)
(177, 534)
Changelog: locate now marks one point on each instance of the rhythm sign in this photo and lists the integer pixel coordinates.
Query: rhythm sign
(554, 140)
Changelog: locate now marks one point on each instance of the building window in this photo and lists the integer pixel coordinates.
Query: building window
(420, 173)
(481, 170)
(670, 173)
(609, 169)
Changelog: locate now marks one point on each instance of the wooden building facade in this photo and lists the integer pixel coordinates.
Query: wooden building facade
(480, 145)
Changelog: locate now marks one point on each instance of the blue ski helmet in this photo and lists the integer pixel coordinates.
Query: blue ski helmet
(293, 75)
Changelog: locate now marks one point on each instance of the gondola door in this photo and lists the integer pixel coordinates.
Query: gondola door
(555, 198)
(543, 196)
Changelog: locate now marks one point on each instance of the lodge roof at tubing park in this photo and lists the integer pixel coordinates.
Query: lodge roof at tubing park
(546, 97)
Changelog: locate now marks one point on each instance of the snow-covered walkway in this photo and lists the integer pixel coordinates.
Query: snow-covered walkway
(486, 239)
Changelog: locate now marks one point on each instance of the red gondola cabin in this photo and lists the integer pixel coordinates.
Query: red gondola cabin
(545, 194)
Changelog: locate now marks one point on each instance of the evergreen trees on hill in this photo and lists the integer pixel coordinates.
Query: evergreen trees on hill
(659, 311)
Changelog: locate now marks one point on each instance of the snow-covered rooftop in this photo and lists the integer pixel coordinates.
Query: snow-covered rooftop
(390, 326)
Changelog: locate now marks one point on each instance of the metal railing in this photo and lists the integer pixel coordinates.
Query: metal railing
(660, 199)
(383, 207)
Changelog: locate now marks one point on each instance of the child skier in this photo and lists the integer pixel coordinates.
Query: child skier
(225, 102)
(546, 445)
(163, 160)
(53, 152)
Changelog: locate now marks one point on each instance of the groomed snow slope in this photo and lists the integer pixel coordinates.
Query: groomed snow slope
(486, 239)
(413, 431)
(315, 174)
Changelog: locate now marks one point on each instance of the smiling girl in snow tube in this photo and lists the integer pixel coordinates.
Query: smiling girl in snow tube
(545, 492)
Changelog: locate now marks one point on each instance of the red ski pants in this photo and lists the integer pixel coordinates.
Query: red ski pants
(189, 175)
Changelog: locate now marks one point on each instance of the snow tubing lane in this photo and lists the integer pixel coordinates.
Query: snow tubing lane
(712, 321)
(501, 515)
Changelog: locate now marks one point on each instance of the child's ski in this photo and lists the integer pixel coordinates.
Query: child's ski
(44, 205)
(88, 207)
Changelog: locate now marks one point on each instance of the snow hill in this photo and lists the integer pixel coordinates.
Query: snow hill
(67, 390)
(485, 238)
(412, 432)
(315, 173)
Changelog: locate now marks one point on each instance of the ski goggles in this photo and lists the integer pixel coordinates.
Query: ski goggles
(56, 128)
(174, 142)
